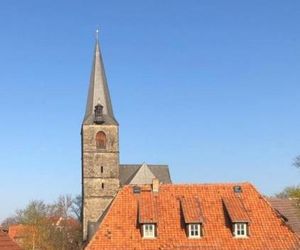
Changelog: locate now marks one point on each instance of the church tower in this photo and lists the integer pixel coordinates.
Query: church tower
(100, 147)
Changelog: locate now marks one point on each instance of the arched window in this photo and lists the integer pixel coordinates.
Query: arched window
(101, 140)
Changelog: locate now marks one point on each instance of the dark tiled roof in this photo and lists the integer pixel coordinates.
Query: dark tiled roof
(287, 208)
(120, 228)
(98, 91)
(128, 171)
(7, 243)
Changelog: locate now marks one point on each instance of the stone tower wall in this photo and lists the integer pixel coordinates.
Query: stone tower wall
(100, 171)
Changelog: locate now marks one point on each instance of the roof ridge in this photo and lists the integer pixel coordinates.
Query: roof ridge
(200, 184)
(139, 164)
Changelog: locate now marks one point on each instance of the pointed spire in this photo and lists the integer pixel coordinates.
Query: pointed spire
(98, 89)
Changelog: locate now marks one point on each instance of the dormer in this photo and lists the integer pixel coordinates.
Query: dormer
(147, 215)
(192, 216)
(238, 216)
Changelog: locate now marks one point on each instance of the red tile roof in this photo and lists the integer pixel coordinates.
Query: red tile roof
(20, 231)
(236, 209)
(120, 228)
(6, 243)
(191, 209)
(17, 231)
(147, 205)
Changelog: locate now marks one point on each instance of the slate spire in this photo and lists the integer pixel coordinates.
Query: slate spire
(98, 90)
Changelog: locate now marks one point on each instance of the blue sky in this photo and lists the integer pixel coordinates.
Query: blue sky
(211, 88)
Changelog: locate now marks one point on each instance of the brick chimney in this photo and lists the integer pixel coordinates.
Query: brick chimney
(155, 185)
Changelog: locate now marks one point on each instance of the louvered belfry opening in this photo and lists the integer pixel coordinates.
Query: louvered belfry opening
(98, 119)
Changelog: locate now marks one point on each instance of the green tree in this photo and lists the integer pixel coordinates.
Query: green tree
(34, 219)
(35, 212)
(77, 207)
(49, 226)
(292, 192)
(62, 206)
(8, 221)
(296, 162)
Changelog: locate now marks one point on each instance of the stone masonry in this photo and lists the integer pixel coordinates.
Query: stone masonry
(100, 172)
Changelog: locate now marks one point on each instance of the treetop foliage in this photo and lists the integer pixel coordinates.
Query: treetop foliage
(296, 162)
(54, 226)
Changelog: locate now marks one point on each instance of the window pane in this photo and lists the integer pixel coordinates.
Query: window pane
(240, 229)
(194, 230)
(148, 230)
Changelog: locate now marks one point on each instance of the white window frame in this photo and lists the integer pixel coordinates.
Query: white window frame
(240, 230)
(194, 230)
(149, 231)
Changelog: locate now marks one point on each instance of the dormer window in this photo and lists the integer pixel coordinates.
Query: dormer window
(240, 230)
(148, 231)
(194, 230)
(238, 216)
(192, 215)
(147, 215)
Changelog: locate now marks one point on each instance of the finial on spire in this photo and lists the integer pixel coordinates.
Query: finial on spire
(97, 34)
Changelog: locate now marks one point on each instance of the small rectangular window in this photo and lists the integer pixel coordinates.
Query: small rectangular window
(194, 230)
(240, 230)
(149, 230)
